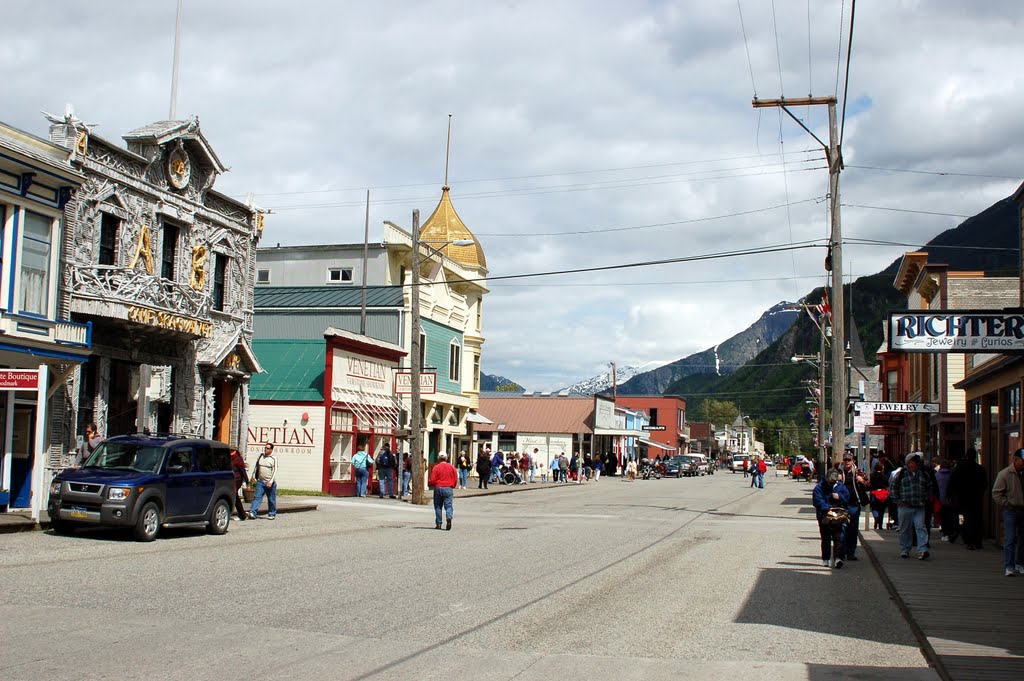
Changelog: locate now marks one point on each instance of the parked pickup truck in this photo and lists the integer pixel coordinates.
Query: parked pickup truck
(738, 462)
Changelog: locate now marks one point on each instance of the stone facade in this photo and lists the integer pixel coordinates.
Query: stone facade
(164, 268)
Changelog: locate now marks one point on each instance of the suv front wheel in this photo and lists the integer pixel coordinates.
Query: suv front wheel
(220, 516)
(148, 524)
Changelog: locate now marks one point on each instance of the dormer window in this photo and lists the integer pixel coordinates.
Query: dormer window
(339, 275)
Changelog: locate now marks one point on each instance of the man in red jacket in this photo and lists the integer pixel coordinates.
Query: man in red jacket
(443, 480)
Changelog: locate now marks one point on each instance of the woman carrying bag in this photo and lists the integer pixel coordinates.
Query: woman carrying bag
(831, 498)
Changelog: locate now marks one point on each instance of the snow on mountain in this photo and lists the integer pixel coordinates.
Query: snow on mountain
(602, 382)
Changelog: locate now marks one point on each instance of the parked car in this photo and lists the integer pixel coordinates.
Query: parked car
(739, 462)
(672, 466)
(691, 465)
(145, 483)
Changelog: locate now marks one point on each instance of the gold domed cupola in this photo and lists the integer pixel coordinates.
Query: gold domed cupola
(444, 225)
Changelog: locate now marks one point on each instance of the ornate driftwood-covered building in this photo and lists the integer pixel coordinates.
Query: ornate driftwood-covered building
(163, 267)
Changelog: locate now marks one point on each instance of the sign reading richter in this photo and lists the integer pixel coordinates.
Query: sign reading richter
(956, 331)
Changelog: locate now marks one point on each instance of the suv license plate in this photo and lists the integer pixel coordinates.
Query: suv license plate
(78, 513)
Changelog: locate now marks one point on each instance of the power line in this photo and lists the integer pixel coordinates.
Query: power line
(905, 210)
(935, 172)
(747, 49)
(880, 242)
(839, 47)
(778, 54)
(731, 280)
(652, 225)
(846, 84)
(764, 250)
(509, 178)
(539, 191)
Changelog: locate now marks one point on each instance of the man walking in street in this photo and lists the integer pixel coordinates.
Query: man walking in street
(443, 479)
(265, 473)
(1008, 494)
(910, 490)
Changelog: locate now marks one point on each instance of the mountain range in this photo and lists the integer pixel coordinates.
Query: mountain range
(753, 367)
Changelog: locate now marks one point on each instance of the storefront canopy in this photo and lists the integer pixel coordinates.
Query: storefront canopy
(652, 443)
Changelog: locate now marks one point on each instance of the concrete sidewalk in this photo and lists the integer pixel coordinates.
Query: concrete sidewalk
(966, 614)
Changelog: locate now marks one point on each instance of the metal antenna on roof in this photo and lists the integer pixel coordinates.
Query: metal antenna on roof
(447, 152)
(174, 68)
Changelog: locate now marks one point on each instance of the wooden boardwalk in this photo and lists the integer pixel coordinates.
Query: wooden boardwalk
(967, 615)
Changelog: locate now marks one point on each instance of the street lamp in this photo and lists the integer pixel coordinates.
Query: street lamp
(415, 408)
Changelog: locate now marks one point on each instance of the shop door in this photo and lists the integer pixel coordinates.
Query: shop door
(121, 408)
(224, 398)
(22, 447)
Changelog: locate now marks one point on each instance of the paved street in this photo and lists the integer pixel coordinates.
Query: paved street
(694, 578)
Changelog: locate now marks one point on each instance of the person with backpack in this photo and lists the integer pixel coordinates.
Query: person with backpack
(911, 490)
(361, 463)
(386, 464)
(762, 468)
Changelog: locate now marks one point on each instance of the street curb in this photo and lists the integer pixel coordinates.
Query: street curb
(28, 525)
(525, 488)
(922, 639)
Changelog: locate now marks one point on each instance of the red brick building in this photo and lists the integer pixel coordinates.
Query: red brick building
(669, 432)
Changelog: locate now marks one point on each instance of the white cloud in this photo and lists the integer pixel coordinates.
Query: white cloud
(345, 96)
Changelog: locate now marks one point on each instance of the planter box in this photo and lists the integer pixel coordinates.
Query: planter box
(248, 494)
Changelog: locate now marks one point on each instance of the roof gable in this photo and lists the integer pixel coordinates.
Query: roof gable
(294, 371)
(538, 415)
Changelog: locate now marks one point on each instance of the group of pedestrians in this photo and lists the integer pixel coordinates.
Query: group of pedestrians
(916, 497)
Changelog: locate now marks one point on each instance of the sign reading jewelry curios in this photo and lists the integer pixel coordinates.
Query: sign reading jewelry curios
(956, 331)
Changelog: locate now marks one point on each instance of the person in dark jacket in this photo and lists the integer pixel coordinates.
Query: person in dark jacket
(241, 478)
(830, 492)
(483, 469)
(878, 487)
(968, 485)
(857, 484)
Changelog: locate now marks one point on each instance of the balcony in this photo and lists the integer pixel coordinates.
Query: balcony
(32, 328)
(109, 284)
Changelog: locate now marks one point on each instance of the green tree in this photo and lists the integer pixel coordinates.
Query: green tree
(719, 412)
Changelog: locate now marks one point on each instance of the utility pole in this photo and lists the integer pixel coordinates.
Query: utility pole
(833, 260)
(415, 411)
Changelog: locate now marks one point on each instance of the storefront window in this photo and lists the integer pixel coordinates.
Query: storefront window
(1011, 404)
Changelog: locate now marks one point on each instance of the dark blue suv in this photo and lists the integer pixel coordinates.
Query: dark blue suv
(146, 482)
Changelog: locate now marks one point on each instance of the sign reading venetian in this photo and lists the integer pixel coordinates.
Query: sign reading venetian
(956, 331)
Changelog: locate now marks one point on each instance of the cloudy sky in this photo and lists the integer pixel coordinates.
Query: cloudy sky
(586, 133)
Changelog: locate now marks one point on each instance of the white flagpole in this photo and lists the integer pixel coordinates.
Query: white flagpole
(174, 68)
